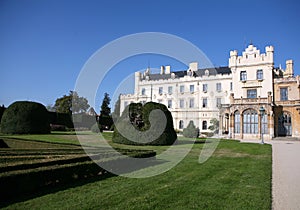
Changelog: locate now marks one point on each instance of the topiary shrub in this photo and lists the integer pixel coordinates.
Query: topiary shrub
(191, 131)
(135, 123)
(24, 117)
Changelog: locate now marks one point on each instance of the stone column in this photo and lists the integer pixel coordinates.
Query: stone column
(220, 124)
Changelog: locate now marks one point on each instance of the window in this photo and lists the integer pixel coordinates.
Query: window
(204, 125)
(219, 101)
(250, 121)
(181, 103)
(283, 94)
(191, 103)
(259, 74)
(264, 124)
(160, 90)
(143, 91)
(181, 125)
(181, 88)
(170, 90)
(204, 102)
(169, 103)
(192, 88)
(243, 76)
(231, 86)
(237, 122)
(252, 93)
(204, 88)
(218, 87)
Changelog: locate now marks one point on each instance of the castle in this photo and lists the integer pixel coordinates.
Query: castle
(249, 97)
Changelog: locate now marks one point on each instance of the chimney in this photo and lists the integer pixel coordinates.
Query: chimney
(168, 70)
(162, 70)
(194, 66)
(289, 71)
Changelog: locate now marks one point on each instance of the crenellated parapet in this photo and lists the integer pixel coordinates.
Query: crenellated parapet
(252, 56)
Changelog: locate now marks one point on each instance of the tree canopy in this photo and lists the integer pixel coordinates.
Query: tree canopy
(71, 103)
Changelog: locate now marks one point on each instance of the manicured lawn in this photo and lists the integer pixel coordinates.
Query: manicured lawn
(237, 176)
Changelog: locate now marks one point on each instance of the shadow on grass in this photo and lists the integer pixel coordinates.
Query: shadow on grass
(20, 188)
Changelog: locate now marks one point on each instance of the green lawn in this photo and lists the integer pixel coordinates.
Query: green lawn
(237, 176)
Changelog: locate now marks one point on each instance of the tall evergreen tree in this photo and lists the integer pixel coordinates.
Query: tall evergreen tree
(105, 109)
(116, 113)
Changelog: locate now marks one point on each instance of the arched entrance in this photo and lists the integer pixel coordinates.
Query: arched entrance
(285, 124)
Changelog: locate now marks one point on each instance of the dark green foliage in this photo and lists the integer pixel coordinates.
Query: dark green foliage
(116, 113)
(137, 115)
(105, 122)
(191, 131)
(83, 120)
(2, 109)
(56, 118)
(24, 117)
(71, 103)
(105, 109)
(214, 125)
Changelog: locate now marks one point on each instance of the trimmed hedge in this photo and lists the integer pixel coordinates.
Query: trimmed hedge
(137, 115)
(191, 131)
(56, 118)
(24, 117)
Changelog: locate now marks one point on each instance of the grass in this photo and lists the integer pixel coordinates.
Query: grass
(237, 176)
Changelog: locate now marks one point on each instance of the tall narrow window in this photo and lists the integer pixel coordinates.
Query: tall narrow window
(231, 86)
(192, 88)
(181, 103)
(252, 93)
(218, 87)
(191, 103)
(204, 125)
(243, 76)
(170, 90)
(181, 125)
(204, 88)
(204, 102)
(218, 102)
(250, 120)
(259, 74)
(237, 122)
(181, 89)
(169, 103)
(283, 94)
(143, 91)
(265, 124)
(160, 90)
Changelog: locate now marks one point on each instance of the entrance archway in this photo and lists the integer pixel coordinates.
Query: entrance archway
(285, 124)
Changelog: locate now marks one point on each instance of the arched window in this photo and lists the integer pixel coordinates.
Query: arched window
(181, 125)
(237, 122)
(250, 121)
(204, 125)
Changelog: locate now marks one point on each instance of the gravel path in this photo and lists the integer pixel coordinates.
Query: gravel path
(286, 175)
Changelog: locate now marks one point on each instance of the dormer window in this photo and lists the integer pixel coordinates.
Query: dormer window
(206, 72)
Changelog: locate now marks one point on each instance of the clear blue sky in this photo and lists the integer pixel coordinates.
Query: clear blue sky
(44, 44)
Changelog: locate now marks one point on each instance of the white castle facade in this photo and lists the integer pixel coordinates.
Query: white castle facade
(232, 95)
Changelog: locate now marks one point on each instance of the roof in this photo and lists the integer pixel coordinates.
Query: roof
(198, 73)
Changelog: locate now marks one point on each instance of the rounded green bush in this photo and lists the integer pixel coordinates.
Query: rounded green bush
(191, 131)
(24, 117)
(137, 115)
